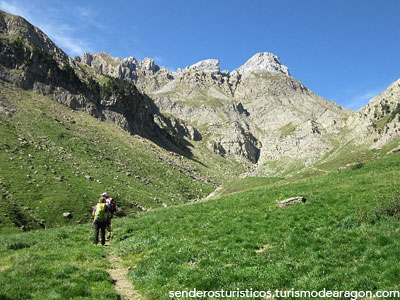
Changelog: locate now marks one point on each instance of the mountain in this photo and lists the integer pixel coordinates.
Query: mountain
(71, 129)
(182, 133)
(30, 60)
(68, 133)
(256, 113)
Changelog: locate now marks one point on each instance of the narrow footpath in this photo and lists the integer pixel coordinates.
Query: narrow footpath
(120, 280)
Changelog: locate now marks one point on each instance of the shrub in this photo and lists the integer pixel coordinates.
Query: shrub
(17, 246)
(17, 42)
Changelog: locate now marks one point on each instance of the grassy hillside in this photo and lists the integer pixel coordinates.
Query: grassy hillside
(345, 237)
(55, 160)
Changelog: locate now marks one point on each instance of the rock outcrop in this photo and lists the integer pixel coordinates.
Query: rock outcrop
(263, 62)
(378, 122)
(145, 74)
(290, 201)
(206, 66)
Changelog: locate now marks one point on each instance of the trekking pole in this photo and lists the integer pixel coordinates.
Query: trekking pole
(90, 233)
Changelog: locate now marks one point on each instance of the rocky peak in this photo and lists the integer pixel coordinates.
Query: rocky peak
(206, 66)
(148, 65)
(112, 65)
(15, 27)
(260, 63)
(102, 61)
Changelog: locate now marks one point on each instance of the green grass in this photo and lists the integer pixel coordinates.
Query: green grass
(282, 167)
(382, 122)
(344, 238)
(248, 183)
(54, 264)
(287, 129)
(205, 101)
(351, 153)
(268, 75)
(48, 152)
(54, 160)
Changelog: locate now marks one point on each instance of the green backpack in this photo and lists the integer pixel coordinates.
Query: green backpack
(101, 212)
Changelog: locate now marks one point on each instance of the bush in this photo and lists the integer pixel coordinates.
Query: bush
(391, 210)
(17, 246)
(115, 86)
(70, 75)
(17, 42)
(394, 113)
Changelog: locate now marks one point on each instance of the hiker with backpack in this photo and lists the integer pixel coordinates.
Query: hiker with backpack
(110, 202)
(101, 216)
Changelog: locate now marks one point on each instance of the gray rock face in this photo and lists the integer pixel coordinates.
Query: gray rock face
(17, 27)
(262, 62)
(101, 61)
(145, 74)
(148, 65)
(378, 122)
(207, 66)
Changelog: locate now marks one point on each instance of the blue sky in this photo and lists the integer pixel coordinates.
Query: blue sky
(344, 50)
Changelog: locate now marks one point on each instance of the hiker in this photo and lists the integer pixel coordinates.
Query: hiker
(101, 215)
(111, 209)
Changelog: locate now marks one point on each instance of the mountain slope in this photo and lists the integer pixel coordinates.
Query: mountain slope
(58, 158)
(378, 122)
(31, 61)
(54, 160)
(256, 113)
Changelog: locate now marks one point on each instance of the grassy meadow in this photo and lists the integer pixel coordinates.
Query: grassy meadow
(345, 237)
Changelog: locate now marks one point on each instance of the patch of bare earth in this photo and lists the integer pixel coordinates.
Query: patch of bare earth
(120, 279)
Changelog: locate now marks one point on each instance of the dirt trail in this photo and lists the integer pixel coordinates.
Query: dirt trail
(119, 276)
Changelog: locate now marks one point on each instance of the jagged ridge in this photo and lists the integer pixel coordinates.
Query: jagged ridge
(244, 113)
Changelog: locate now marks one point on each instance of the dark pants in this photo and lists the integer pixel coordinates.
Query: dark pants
(109, 224)
(98, 225)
